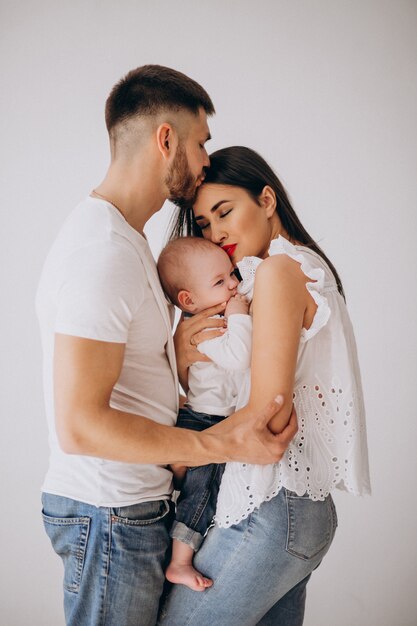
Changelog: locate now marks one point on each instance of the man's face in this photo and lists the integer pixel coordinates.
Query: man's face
(187, 171)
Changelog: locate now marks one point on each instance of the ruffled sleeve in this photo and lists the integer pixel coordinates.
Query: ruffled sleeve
(315, 287)
(247, 268)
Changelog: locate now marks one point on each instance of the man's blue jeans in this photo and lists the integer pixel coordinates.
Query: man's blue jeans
(259, 568)
(114, 559)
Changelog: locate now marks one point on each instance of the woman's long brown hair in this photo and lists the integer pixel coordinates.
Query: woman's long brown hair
(238, 166)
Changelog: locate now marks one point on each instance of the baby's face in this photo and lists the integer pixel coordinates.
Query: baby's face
(213, 280)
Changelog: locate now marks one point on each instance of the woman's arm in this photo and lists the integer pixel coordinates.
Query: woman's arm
(281, 305)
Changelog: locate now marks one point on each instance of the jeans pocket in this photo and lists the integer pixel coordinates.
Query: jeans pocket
(69, 537)
(311, 525)
(142, 514)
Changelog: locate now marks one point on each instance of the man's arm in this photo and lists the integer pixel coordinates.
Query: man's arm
(85, 372)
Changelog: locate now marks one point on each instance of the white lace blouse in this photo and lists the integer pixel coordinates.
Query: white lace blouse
(330, 448)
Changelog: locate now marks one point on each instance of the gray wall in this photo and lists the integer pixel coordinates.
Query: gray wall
(326, 90)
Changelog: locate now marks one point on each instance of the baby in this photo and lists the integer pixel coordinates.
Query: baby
(197, 274)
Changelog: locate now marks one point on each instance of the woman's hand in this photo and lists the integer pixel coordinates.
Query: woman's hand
(192, 331)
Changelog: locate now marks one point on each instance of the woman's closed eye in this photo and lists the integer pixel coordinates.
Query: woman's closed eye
(220, 215)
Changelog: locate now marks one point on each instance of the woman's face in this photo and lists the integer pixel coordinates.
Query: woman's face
(230, 217)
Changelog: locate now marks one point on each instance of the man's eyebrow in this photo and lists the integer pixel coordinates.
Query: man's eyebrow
(213, 208)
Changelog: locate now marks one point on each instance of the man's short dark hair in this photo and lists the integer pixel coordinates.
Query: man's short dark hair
(150, 89)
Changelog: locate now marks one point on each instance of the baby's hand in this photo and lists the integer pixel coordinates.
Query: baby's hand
(237, 304)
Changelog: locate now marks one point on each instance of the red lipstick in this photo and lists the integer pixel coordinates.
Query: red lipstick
(229, 249)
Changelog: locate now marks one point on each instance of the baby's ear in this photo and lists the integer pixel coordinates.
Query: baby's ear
(185, 301)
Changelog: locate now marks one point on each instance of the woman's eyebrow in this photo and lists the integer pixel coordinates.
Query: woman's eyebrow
(213, 208)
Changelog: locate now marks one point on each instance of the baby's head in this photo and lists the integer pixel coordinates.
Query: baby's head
(196, 274)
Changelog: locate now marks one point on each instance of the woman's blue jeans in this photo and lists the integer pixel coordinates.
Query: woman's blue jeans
(260, 567)
(114, 559)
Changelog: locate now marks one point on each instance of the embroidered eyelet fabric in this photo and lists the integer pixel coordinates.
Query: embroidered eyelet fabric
(330, 448)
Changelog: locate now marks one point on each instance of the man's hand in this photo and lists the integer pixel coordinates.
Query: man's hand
(192, 331)
(85, 372)
(248, 438)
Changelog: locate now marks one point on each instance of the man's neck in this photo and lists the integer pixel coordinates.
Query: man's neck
(134, 190)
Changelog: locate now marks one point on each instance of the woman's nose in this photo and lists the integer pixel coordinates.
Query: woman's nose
(217, 234)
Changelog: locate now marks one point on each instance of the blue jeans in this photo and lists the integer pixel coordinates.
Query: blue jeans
(260, 567)
(197, 501)
(114, 559)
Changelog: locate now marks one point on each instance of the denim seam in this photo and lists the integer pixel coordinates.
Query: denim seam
(147, 522)
(291, 532)
(334, 515)
(81, 549)
(106, 555)
(205, 498)
(65, 521)
(200, 509)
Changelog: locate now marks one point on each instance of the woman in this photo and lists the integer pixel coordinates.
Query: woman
(276, 523)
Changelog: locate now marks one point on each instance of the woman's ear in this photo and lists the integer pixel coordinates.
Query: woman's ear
(185, 301)
(268, 200)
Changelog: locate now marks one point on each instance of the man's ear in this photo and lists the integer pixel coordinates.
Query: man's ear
(185, 301)
(268, 200)
(167, 140)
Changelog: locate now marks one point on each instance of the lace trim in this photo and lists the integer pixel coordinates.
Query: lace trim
(247, 268)
(326, 453)
(316, 287)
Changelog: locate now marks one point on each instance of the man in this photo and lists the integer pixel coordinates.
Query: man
(110, 374)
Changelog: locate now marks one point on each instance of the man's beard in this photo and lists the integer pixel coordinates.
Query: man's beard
(181, 183)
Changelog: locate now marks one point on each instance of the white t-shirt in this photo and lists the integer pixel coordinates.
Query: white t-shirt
(330, 448)
(213, 387)
(100, 282)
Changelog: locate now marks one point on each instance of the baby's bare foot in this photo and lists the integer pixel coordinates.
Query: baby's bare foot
(182, 574)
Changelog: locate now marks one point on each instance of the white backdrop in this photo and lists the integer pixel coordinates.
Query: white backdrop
(326, 90)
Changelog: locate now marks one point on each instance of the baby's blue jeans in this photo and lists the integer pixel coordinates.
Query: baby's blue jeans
(196, 504)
